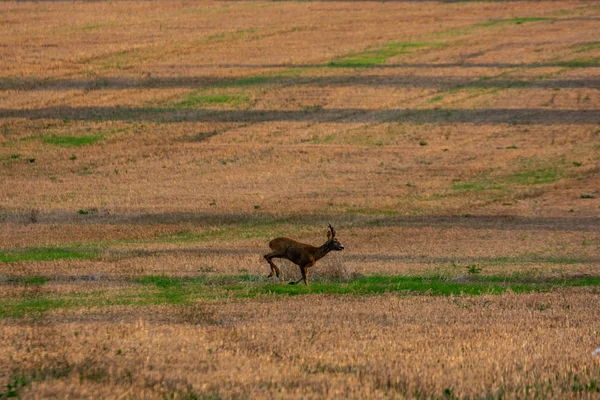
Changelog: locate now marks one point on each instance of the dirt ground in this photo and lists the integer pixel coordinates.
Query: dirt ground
(144, 139)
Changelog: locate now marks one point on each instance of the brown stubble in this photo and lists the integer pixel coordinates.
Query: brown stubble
(378, 152)
(370, 347)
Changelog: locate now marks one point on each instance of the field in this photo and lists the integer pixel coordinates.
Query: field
(149, 150)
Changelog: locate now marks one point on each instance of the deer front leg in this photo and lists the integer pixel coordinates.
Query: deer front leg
(304, 271)
(305, 274)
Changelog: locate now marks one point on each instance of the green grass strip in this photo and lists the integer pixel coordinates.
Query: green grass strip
(527, 176)
(437, 286)
(580, 63)
(378, 56)
(198, 99)
(164, 290)
(585, 47)
(45, 254)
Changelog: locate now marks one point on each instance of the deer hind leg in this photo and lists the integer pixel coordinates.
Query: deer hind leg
(274, 268)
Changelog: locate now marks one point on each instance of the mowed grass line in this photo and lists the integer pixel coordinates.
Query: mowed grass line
(370, 58)
(165, 290)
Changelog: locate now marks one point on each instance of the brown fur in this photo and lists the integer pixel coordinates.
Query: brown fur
(302, 254)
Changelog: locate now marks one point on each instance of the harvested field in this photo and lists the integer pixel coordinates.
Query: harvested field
(149, 150)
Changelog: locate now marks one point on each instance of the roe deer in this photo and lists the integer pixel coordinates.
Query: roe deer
(303, 255)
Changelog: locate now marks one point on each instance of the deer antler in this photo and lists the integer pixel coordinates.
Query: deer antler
(332, 231)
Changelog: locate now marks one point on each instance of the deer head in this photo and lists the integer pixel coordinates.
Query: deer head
(332, 242)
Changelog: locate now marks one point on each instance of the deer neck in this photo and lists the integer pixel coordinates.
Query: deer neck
(321, 251)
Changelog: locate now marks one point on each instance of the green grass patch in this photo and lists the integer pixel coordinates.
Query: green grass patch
(10, 157)
(134, 297)
(45, 254)
(532, 173)
(73, 141)
(29, 306)
(160, 281)
(249, 81)
(36, 280)
(535, 177)
(379, 56)
(434, 286)
(580, 63)
(199, 99)
(583, 48)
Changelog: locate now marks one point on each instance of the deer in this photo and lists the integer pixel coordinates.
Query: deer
(301, 254)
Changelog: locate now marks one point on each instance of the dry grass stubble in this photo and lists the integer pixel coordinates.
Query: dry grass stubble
(317, 347)
(177, 138)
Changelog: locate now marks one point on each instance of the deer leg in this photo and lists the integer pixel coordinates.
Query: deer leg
(274, 269)
(305, 270)
(305, 274)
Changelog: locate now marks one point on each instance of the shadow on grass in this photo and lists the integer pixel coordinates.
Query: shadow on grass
(237, 220)
(339, 115)
(31, 84)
